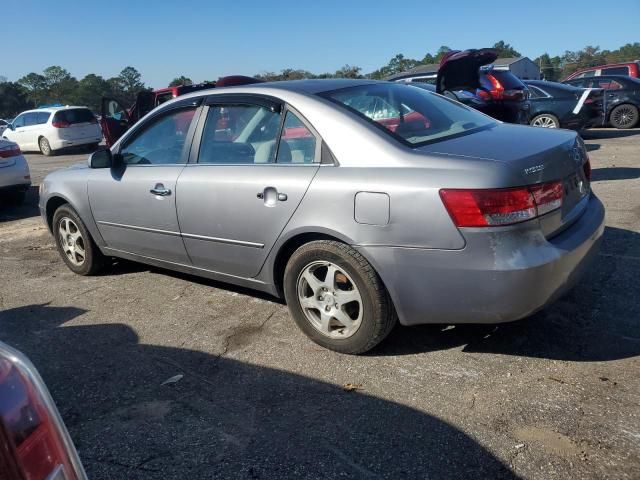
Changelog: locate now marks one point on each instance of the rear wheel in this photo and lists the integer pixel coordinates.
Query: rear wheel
(75, 245)
(45, 148)
(545, 120)
(336, 297)
(624, 116)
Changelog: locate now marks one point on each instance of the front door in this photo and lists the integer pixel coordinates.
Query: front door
(114, 120)
(134, 204)
(254, 165)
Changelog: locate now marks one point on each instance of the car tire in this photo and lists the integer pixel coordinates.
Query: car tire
(545, 120)
(351, 312)
(75, 245)
(624, 116)
(45, 148)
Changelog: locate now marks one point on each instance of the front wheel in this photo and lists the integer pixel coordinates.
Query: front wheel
(75, 245)
(545, 120)
(336, 297)
(45, 148)
(624, 116)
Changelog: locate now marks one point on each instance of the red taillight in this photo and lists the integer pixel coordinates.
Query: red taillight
(33, 441)
(10, 151)
(505, 206)
(60, 124)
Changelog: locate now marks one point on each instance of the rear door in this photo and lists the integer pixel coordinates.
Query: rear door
(252, 167)
(134, 205)
(114, 120)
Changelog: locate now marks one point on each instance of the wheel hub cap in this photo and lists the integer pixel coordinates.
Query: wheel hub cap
(330, 299)
(71, 241)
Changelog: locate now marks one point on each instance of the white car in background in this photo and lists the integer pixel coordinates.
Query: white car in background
(52, 128)
(15, 178)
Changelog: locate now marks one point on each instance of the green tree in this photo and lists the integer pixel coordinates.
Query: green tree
(440, 53)
(348, 71)
(505, 50)
(548, 69)
(60, 85)
(181, 80)
(36, 87)
(90, 91)
(127, 85)
(13, 99)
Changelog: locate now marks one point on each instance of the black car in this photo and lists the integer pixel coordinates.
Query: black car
(621, 99)
(556, 105)
(468, 77)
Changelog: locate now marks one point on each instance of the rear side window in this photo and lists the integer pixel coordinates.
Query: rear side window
(507, 79)
(239, 134)
(615, 71)
(536, 92)
(42, 117)
(297, 143)
(75, 115)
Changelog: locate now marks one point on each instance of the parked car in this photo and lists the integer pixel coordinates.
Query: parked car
(3, 125)
(556, 105)
(15, 178)
(357, 201)
(34, 442)
(116, 118)
(49, 129)
(631, 69)
(621, 100)
(468, 77)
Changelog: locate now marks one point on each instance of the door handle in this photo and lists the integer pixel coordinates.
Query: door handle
(271, 196)
(160, 190)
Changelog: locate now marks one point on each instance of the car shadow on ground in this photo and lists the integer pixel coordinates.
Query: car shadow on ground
(596, 321)
(29, 208)
(614, 173)
(141, 411)
(603, 133)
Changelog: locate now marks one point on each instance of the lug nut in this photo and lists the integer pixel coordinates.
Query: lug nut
(327, 308)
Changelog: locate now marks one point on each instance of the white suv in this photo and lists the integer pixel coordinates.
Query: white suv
(52, 128)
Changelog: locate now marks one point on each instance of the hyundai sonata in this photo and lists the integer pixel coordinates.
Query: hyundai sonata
(360, 202)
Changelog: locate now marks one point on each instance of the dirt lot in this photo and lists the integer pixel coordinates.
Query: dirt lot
(162, 375)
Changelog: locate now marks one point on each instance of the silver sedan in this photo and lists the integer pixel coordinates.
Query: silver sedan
(360, 202)
(15, 178)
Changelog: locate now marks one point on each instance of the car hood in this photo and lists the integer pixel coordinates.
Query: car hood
(459, 69)
(537, 154)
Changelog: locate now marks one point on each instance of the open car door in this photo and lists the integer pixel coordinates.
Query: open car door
(115, 120)
(145, 102)
(459, 69)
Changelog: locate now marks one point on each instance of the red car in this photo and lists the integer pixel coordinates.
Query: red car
(117, 119)
(631, 69)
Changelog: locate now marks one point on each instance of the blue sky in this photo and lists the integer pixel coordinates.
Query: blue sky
(206, 39)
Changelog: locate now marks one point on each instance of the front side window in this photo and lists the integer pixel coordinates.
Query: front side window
(160, 142)
(30, 119)
(239, 134)
(411, 115)
(18, 121)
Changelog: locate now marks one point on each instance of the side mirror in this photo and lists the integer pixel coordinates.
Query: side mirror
(101, 158)
(10, 126)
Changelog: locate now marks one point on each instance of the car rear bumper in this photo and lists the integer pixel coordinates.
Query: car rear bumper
(16, 175)
(499, 276)
(59, 143)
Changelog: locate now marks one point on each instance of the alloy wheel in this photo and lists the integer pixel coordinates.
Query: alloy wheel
(330, 299)
(623, 116)
(71, 241)
(544, 122)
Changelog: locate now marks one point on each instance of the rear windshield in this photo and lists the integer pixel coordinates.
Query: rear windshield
(412, 115)
(507, 79)
(75, 115)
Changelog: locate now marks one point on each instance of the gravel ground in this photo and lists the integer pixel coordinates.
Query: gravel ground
(164, 375)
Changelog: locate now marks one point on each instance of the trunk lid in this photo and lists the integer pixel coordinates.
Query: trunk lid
(534, 155)
(459, 70)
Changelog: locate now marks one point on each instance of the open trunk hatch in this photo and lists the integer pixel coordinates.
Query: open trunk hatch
(459, 70)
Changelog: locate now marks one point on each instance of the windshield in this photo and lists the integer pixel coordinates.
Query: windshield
(411, 115)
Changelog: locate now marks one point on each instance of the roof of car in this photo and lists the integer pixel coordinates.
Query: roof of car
(310, 86)
(53, 108)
